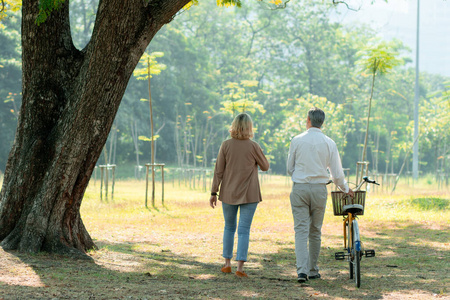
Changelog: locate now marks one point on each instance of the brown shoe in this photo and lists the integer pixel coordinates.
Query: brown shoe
(226, 269)
(241, 274)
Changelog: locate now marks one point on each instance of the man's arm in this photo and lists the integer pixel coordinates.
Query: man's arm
(337, 172)
(290, 166)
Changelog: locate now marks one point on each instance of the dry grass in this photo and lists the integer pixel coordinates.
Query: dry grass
(174, 251)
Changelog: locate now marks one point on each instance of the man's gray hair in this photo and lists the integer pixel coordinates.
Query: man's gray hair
(316, 116)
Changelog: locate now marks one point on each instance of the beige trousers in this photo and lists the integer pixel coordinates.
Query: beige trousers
(308, 203)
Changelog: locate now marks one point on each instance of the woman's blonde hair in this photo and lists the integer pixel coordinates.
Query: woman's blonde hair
(242, 127)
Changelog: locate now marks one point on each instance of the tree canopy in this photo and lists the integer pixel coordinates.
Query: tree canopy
(221, 61)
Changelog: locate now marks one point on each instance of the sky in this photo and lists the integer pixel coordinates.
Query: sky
(398, 19)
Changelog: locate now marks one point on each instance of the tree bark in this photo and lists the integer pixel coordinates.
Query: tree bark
(70, 99)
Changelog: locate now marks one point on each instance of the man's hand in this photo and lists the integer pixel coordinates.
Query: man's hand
(350, 192)
(213, 201)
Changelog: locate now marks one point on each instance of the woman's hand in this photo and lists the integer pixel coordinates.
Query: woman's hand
(213, 201)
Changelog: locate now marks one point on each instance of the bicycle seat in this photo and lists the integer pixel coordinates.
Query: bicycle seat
(353, 208)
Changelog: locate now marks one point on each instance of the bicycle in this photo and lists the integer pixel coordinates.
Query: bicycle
(350, 208)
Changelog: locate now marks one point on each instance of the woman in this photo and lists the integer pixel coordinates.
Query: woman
(236, 173)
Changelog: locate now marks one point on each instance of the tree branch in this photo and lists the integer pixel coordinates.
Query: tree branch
(254, 32)
(164, 124)
(345, 3)
(282, 6)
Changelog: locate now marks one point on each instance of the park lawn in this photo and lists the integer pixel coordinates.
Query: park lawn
(174, 251)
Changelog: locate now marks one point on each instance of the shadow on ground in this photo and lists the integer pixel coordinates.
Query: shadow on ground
(410, 261)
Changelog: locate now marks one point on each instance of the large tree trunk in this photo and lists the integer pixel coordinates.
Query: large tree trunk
(70, 99)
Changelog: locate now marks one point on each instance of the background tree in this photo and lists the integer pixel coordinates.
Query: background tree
(205, 48)
(338, 123)
(378, 59)
(435, 132)
(149, 66)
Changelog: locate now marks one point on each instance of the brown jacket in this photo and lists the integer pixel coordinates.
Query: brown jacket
(236, 171)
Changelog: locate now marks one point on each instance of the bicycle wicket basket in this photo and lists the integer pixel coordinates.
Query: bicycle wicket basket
(340, 199)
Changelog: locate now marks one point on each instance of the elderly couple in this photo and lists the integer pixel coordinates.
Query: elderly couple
(236, 173)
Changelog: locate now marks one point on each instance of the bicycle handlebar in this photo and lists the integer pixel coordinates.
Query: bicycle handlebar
(365, 180)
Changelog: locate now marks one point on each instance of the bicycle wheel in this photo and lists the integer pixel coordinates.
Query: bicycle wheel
(356, 253)
(349, 250)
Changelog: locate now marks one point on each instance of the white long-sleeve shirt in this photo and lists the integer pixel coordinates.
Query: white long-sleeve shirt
(310, 154)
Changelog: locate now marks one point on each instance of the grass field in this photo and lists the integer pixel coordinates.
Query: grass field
(174, 251)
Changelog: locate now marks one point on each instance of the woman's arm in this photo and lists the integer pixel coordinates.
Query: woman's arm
(218, 170)
(261, 159)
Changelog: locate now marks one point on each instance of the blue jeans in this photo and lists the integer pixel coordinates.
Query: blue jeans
(247, 212)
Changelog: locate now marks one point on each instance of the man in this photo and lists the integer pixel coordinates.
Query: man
(310, 155)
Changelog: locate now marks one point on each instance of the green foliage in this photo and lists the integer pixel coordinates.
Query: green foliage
(337, 125)
(46, 7)
(147, 139)
(274, 64)
(430, 203)
(8, 6)
(434, 130)
(239, 99)
(227, 3)
(223, 61)
(379, 57)
(446, 94)
(190, 4)
(149, 65)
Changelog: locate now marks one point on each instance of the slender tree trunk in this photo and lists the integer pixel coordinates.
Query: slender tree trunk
(186, 143)
(135, 136)
(177, 141)
(444, 167)
(152, 135)
(70, 99)
(436, 155)
(156, 134)
(368, 113)
(388, 155)
(195, 142)
(111, 145)
(377, 150)
(115, 146)
(404, 163)
(392, 162)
